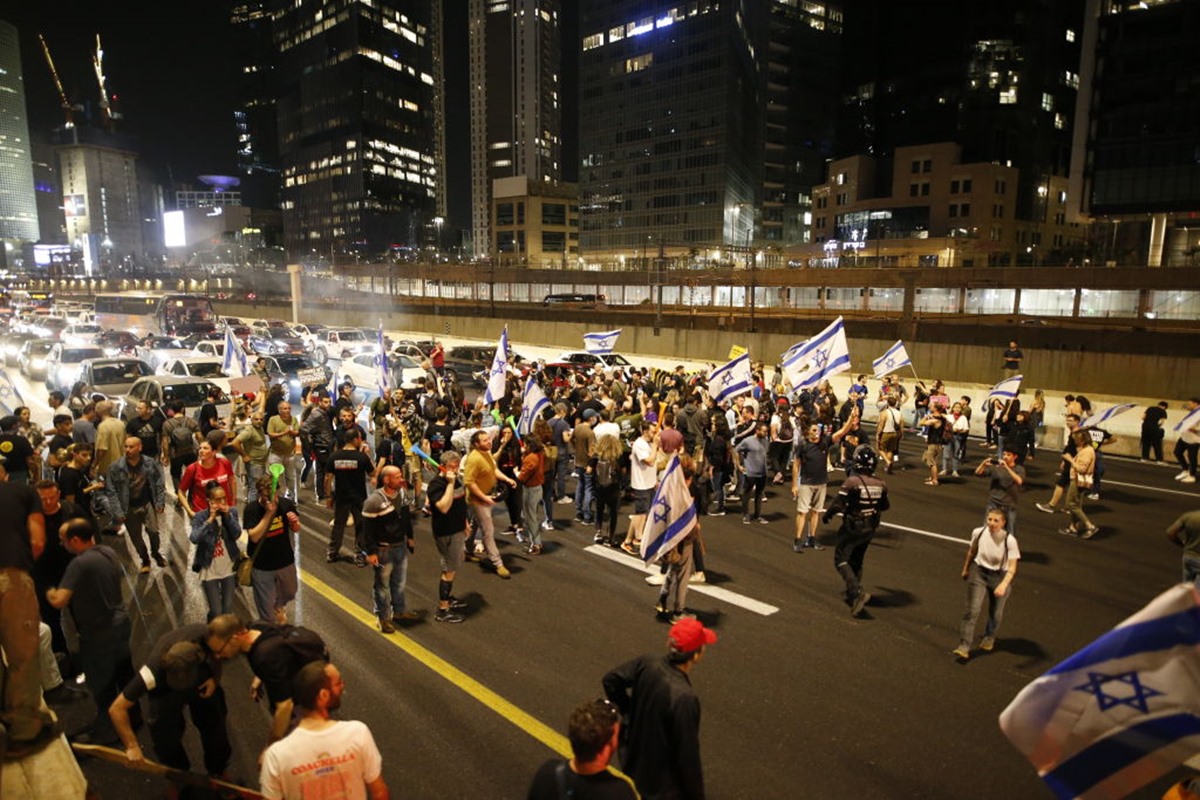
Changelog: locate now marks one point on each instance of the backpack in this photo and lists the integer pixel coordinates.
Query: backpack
(182, 439)
(429, 407)
(605, 474)
(306, 645)
(786, 430)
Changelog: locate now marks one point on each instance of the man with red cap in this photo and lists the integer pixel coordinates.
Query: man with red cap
(660, 747)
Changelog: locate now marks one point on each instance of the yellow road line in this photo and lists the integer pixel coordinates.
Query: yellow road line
(509, 711)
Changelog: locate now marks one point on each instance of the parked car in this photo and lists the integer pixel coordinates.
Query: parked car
(408, 349)
(198, 367)
(31, 359)
(13, 341)
(260, 326)
(342, 343)
(62, 365)
(362, 371)
(111, 377)
(276, 341)
(590, 360)
(213, 348)
(157, 349)
(156, 389)
(117, 343)
(466, 360)
(48, 327)
(308, 331)
(80, 334)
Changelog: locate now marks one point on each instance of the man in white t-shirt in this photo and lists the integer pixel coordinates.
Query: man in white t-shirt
(323, 757)
(643, 476)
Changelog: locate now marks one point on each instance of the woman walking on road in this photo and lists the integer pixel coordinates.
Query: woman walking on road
(989, 569)
(1083, 466)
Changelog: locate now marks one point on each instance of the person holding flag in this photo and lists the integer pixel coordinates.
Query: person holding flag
(1188, 446)
(671, 531)
(497, 376)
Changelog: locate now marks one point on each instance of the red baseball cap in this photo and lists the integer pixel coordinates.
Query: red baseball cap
(689, 635)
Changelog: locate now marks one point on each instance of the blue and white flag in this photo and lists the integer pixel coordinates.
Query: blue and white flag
(9, 393)
(826, 354)
(533, 403)
(1121, 712)
(1007, 389)
(601, 342)
(497, 375)
(672, 514)
(382, 378)
(732, 379)
(1189, 421)
(234, 363)
(1109, 413)
(895, 358)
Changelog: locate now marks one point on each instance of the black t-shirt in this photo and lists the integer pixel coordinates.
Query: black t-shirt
(276, 543)
(94, 578)
(151, 679)
(273, 662)
(149, 431)
(59, 442)
(600, 786)
(350, 470)
(71, 483)
(1154, 415)
(1010, 357)
(206, 417)
(17, 502)
(48, 570)
(16, 451)
(439, 437)
(454, 520)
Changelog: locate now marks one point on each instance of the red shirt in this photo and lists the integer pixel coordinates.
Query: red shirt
(437, 358)
(196, 477)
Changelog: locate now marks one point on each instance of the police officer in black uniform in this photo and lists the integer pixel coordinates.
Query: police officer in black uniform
(861, 500)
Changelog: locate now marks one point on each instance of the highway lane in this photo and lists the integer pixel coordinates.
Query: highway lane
(806, 701)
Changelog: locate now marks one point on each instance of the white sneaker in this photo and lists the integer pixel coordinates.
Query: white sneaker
(697, 577)
(657, 579)
(1181, 475)
(479, 548)
(564, 500)
(1188, 479)
(547, 525)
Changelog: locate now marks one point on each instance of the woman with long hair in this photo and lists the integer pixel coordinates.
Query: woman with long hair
(606, 478)
(207, 468)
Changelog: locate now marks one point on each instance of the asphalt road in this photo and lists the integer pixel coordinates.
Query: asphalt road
(805, 701)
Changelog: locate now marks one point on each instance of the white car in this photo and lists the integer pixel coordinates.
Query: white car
(362, 372)
(80, 334)
(343, 343)
(261, 326)
(198, 367)
(160, 349)
(308, 331)
(210, 348)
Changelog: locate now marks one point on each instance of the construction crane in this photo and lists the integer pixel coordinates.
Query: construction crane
(68, 109)
(105, 105)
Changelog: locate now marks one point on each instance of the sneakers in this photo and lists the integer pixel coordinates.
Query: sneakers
(598, 537)
(954, 474)
(762, 520)
(657, 579)
(1090, 532)
(386, 626)
(1094, 496)
(697, 577)
(1046, 508)
(563, 501)
(962, 653)
(145, 568)
(456, 604)
(360, 559)
(503, 572)
(812, 544)
(406, 616)
(987, 644)
(720, 512)
(1188, 479)
(547, 525)
(860, 603)
(158, 559)
(533, 550)
(745, 520)
(479, 548)
(446, 615)
(1182, 475)
(798, 546)
(509, 531)
(1068, 531)
(331, 558)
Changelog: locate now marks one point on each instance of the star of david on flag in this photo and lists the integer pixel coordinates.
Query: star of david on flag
(1007, 389)
(496, 384)
(1189, 421)
(1121, 712)
(895, 358)
(732, 379)
(826, 354)
(381, 362)
(1109, 413)
(601, 342)
(672, 514)
(234, 358)
(533, 403)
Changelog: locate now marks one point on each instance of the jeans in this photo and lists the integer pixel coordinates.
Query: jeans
(219, 594)
(753, 485)
(548, 498)
(390, 578)
(718, 486)
(583, 494)
(562, 466)
(533, 513)
(143, 517)
(982, 583)
(1098, 472)
(253, 473)
(608, 503)
(290, 480)
(952, 453)
(273, 590)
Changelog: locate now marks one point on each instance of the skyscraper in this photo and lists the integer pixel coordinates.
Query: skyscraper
(358, 86)
(18, 204)
(670, 131)
(255, 115)
(516, 105)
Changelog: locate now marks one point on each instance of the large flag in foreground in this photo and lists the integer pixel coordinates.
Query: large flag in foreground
(672, 514)
(732, 379)
(1007, 389)
(601, 342)
(1121, 712)
(1109, 413)
(497, 378)
(895, 358)
(533, 402)
(824, 355)
(234, 363)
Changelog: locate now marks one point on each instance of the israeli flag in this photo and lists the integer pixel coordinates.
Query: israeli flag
(9, 392)
(672, 514)
(533, 403)
(1123, 711)
(895, 358)
(1007, 389)
(732, 379)
(381, 363)
(1109, 413)
(601, 342)
(826, 354)
(234, 363)
(497, 378)
(1190, 420)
